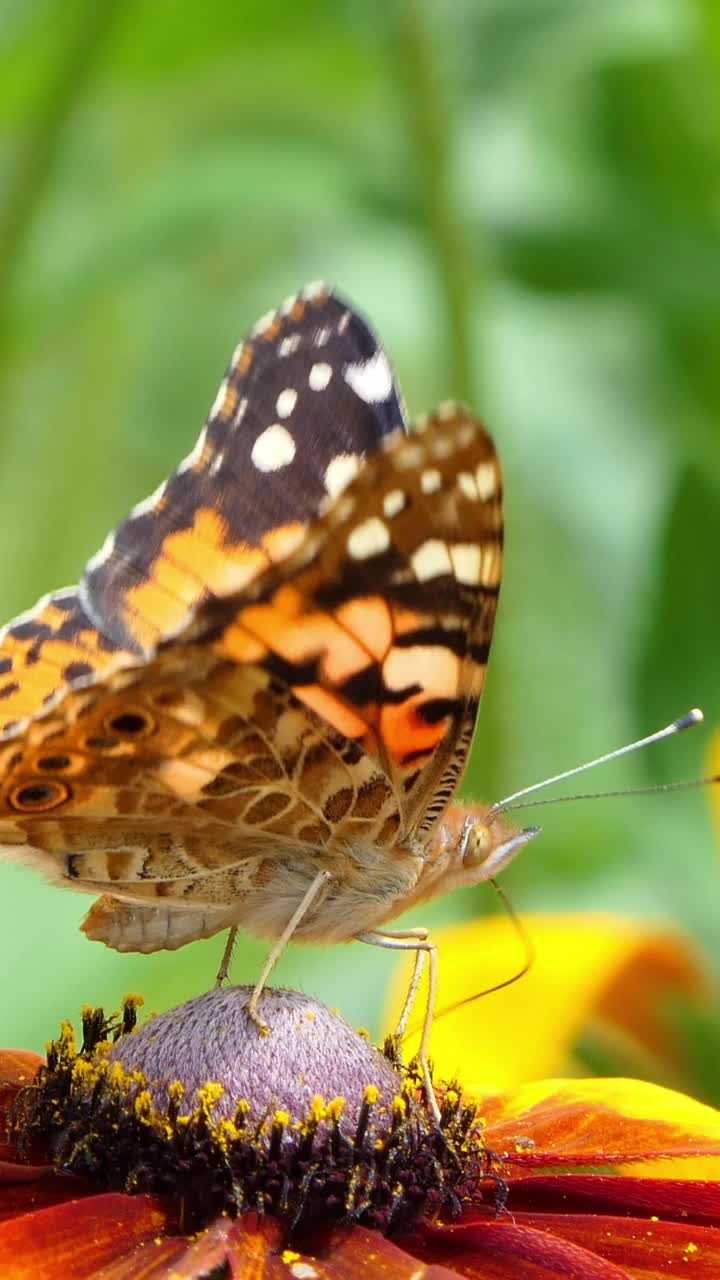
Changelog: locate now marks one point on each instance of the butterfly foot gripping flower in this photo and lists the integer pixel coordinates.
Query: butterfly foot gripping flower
(194, 1147)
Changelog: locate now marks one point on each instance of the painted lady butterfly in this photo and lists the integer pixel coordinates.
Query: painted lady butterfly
(255, 707)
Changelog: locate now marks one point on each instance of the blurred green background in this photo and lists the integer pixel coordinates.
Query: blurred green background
(524, 197)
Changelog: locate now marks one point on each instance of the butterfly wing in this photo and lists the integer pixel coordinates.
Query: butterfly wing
(239, 678)
(304, 399)
(45, 653)
(382, 621)
(236, 504)
(336, 705)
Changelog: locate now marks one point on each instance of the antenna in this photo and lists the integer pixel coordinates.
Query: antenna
(693, 717)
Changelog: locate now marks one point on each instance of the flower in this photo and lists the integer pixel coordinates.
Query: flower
(238, 1167)
(606, 976)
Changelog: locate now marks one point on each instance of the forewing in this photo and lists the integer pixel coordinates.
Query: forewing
(304, 399)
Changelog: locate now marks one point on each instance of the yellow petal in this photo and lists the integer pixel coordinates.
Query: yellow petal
(585, 967)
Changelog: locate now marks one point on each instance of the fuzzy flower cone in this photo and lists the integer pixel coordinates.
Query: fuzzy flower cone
(194, 1147)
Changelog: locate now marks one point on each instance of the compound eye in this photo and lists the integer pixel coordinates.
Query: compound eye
(478, 846)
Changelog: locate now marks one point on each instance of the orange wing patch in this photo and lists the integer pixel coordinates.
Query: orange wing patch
(194, 564)
(47, 652)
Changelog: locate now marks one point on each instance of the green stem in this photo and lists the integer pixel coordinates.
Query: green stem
(431, 132)
(87, 25)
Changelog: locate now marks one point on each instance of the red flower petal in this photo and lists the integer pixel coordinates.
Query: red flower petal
(682, 1201)
(17, 1070)
(78, 1237)
(594, 1247)
(47, 1189)
(502, 1249)
(253, 1246)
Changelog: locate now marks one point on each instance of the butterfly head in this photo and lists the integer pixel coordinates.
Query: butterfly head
(486, 845)
(471, 844)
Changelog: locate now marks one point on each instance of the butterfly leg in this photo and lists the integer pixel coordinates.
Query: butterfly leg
(224, 969)
(303, 906)
(414, 940)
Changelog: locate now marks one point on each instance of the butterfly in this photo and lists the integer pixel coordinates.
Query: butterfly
(256, 706)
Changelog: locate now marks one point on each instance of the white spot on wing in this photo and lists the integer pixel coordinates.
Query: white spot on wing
(322, 336)
(441, 447)
(393, 503)
(273, 449)
(467, 486)
(486, 482)
(319, 376)
(372, 380)
(410, 456)
(263, 323)
(368, 539)
(288, 346)
(465, 558)
(219, 400)
(286, 402)
(313, 290)
(430, 480)
(340, 472)
(431, 560)
(103, 555)
(193, 457)
(150, 503)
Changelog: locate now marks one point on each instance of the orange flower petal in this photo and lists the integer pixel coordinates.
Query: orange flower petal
(585, 967)
(78, 1237)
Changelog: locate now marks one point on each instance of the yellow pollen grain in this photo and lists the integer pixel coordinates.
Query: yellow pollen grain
(281, 1118)
(318, 1110)
(209, 1095)
(363, 1033)
(691, 1247)
(335, 1108)
(144, 1109)
(399, 1106)
(289, 1255)
(371, 1094)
